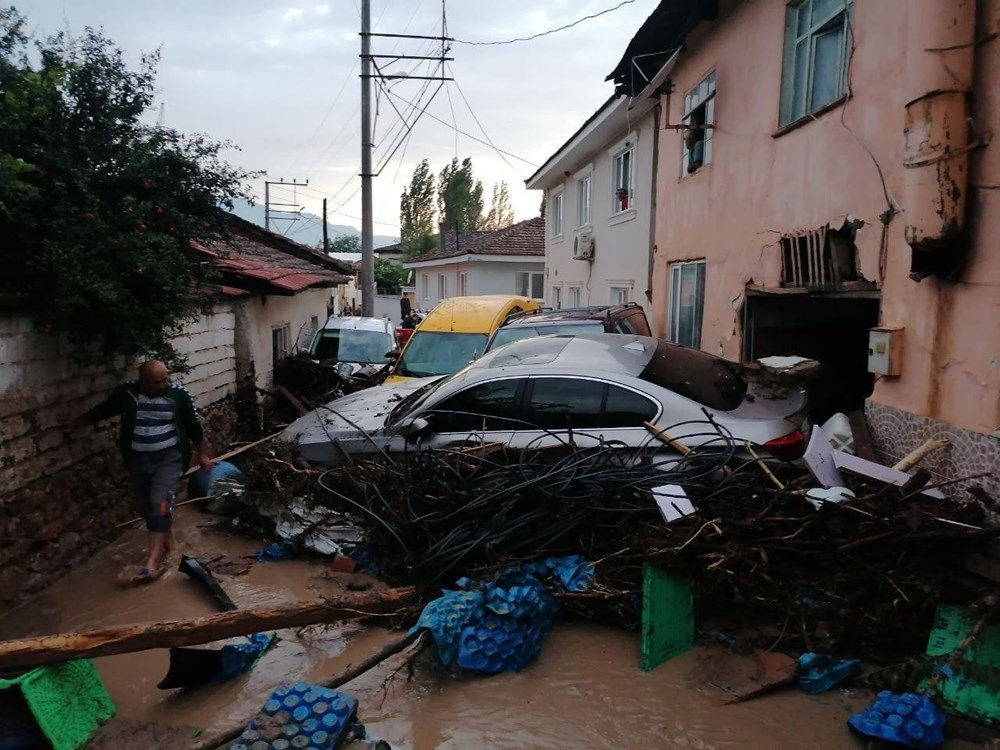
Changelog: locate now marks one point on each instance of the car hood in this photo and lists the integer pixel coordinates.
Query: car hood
(364, 410)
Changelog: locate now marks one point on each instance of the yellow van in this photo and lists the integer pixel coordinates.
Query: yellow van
(454, 333)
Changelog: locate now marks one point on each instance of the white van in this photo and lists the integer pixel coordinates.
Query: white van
(354, 342)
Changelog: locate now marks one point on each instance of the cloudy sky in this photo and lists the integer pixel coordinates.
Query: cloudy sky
(280, 79)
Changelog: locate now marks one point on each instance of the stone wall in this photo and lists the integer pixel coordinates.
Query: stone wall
(969, 454)
(61, 494)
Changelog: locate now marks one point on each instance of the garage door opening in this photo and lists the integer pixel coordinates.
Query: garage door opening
(830, 329)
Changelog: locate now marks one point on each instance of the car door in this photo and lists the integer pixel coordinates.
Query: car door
(484, 412)
(584, 412)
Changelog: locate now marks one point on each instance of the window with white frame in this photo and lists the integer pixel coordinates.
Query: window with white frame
(557, 297)
(620, 295)
(425, 282)
(280, 338)
(687, 302)
(699, 118)
(556, 214)
(583, 201)
(442, 286)
(463, 284)
(817, 47)
(622, 180)
(530, 284)
(574, 296)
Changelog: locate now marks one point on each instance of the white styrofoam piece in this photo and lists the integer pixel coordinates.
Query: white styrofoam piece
(878, 472)
(819, 457)
(673, 502)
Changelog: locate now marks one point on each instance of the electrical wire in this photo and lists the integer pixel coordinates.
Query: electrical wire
(550, 31)
(467, 135)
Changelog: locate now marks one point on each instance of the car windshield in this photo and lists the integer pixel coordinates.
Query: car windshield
(516, 333)
(349, 345)
(697, 375)
(439, 353)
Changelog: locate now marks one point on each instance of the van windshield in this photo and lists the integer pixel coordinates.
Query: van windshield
(439, 353)
(350, 345)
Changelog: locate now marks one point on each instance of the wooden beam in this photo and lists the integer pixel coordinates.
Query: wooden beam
(53, 649)
(235, 452)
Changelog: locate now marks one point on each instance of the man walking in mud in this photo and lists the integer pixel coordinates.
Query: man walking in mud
(159, 426)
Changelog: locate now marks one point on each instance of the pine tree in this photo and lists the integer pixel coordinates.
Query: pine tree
(460, 198)
(416, 212)
(501, 213)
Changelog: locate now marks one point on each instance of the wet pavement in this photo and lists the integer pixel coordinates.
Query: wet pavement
(585, 691)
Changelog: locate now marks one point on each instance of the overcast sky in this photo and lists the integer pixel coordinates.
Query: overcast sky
(280, 79)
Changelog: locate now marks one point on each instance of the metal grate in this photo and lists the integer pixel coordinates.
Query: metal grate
(822, 258)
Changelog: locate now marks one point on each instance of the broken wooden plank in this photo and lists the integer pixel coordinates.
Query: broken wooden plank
(235, 452)
(53, 649)
(665, 438)
(292, 399)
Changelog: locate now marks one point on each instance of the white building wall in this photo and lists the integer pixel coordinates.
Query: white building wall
(622, 241)
(258, 316)
(484, 276)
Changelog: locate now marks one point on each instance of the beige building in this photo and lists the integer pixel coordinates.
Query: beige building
(826, 186)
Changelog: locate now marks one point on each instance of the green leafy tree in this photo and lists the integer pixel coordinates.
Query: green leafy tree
(460, 197)
(97, 209)
(501, 213)
(389, 276)
(416, 212)
(346, 243)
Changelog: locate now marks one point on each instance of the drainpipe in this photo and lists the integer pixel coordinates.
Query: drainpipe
(652, 205)
(939, 69)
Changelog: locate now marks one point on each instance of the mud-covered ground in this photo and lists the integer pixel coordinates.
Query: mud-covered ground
(585, 691)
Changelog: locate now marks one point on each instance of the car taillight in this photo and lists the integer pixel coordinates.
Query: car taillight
(787, 447)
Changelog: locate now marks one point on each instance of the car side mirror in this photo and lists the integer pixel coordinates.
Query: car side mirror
(393, 354)
(415, 428)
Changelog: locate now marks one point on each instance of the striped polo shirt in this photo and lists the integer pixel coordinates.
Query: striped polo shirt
(154, 424)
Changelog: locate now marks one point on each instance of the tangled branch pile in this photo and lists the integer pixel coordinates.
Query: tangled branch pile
(861, 577)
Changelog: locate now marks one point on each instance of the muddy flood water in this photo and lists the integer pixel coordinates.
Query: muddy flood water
(585, 691)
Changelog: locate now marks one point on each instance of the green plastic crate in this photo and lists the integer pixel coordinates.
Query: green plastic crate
(68, 701)
(667, 617)
(974, 690)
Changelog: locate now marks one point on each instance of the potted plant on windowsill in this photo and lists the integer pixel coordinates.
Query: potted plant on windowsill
(622, 195)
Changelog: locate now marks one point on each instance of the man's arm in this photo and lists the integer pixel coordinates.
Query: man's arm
(109, 407)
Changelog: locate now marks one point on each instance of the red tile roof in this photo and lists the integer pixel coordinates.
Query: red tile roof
(261, 261)
(523, 238)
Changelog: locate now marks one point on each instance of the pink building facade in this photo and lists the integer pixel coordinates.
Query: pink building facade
(825, 169)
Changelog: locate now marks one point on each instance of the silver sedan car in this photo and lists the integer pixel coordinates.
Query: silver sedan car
(549, 391)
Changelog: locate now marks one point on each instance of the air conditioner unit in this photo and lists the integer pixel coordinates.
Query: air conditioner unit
(583, 246)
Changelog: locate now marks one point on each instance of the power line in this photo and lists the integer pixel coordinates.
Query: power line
(467, 135)
(481, 128)
(550, 31)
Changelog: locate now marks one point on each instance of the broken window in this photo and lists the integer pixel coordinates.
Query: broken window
(817, 46)
(699, 117)
(819, 259)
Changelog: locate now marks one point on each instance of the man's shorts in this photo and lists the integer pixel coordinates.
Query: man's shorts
(154, 478)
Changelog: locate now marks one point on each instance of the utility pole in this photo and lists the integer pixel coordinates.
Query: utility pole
(268, 210)
(326, 238)
(367, 233)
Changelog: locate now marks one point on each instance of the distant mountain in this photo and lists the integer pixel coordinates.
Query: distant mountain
(308, 229)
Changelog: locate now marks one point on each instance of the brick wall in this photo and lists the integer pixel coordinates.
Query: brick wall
(61, 495)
